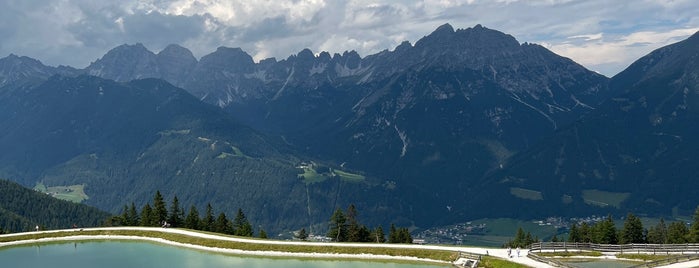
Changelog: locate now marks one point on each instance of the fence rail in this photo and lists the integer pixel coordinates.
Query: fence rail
(549, 261)
(668, 261)
(626, 248)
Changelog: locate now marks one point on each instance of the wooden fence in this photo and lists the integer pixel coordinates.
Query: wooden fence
(549, 261)
(626, 248)
(668, 261)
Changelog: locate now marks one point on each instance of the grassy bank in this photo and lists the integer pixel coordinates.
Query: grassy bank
(440, 255)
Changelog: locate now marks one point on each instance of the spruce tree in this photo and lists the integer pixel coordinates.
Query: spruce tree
(677, 233)
(337, 230)
(124, 217)
(585, 233)
(353, 227)
(379, 236)
(574, 234)
(241, 225)
(262, 234)
(133, 215)
(192, 220)
(207, 223)
(392, 234)
(606, 231)
(404, 236)
(632, 232)
(658, 234)
(176, 217)
(693, 236)
(159, 208)
(147, 216)
(223, 225)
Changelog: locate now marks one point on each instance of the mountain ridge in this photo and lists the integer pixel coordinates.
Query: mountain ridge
(455, 119)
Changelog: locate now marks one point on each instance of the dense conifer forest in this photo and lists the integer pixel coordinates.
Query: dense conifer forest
(22, 209)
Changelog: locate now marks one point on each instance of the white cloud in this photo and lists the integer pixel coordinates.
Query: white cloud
(595, 33)
(611, 55)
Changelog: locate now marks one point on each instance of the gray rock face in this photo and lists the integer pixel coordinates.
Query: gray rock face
(126, 63)
(175, 64)
(14, 68)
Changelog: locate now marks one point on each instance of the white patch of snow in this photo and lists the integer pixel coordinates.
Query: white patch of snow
(258, 74)
(580, 103)
(403, 137)
(515, 97)
(288, 78)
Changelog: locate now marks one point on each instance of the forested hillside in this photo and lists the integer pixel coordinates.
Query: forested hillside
(22, 209)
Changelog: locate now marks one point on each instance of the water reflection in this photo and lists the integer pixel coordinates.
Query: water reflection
(115, 254)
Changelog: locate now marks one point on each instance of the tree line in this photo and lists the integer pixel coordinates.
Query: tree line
(345, 227)
(158, 215)
(632, 232)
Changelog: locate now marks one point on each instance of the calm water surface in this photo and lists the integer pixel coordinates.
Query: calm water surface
(118, 254)
(603, 264)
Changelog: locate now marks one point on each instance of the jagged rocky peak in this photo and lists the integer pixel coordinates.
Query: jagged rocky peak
(128, 51)
(14, 68)
(126, 63)
(681, 57)
(174, 51)
(477, 38)
(404, 46)
(348, 59)
(231, 59)
(176, 63)
(14, 61)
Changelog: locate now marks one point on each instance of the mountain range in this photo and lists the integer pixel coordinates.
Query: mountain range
(461, 120)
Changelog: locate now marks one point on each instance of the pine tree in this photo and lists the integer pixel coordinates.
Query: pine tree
(222, 224)
(124, 218)
(337, 230)
(693, 236)
(353, 228)
(528, 240)
(632, 232)
(574, 234)
(133, 215)
(392, 234)
(520, 239)
(554, 238)
(677, 233)
(241, 225)
(176, 217)
(262, 234)
(147, 216)
(159, 208)
(585, 233)
(207, 223)
(364, 234)
(606, 231)
(192, 221)
(379, 236)
(657, 234)
(404, 236)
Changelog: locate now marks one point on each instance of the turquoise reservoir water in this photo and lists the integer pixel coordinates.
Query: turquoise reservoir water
(118, 254)
(602, 264)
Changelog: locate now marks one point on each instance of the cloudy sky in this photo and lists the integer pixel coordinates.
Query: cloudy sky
(605, 36)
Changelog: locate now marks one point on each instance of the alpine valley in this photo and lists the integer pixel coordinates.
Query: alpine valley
(463, 124)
